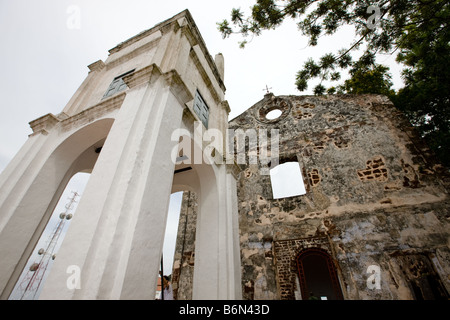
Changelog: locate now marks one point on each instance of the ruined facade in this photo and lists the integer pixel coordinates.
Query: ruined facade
(373, 222)
(374, 197)
(375, 200)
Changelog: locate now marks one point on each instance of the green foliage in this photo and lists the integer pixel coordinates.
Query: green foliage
(425, 99)
(416, 30)
(374, 80)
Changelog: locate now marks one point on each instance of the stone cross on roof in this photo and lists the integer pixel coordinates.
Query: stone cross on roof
(267, 89)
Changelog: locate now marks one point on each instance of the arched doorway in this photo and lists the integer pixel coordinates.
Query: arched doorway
(179, 245)
(317, 275)
(215, 271)
(200, 180)
(39, 264)
(29, 206)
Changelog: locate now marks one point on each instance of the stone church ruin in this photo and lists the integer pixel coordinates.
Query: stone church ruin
(368, 217)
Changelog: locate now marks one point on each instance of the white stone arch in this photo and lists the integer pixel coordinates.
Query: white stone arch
(214, 256)
(116, 237)
(30, 203)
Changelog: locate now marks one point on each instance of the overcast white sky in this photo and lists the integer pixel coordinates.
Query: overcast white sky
(43, 62)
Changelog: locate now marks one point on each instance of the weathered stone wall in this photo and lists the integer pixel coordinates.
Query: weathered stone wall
(183, 264)
(375, 196)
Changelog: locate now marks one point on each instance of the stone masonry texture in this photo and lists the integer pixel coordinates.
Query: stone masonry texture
(374, 196)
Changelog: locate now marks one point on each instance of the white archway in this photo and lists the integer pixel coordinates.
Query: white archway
(30, 203)
(216, 257)
(38, 266)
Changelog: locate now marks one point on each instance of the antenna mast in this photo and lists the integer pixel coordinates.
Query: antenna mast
(31, 283)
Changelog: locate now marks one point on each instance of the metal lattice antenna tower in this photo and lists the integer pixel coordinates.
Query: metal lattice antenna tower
(30, 284)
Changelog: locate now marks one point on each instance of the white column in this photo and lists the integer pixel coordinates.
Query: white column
(228, 260)
(116, 235)
(224, 279)
(148, 234)
(207, 261)
(217, 256)
(17, 176)
(15, 231)
(233, 246)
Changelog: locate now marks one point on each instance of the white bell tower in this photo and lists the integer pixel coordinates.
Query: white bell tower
(120, 126)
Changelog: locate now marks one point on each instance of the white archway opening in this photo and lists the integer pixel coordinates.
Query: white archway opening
(40, 262)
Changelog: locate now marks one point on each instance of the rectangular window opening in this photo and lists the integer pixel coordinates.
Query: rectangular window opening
(117, 85)
(287, 180)
(201, 109)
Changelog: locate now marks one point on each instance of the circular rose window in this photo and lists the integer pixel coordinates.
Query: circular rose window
(273, 110)
(274, 114)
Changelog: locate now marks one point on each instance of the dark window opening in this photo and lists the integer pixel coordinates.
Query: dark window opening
(117, 85)
(422, 277)
(201, 109)
(317, 276)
